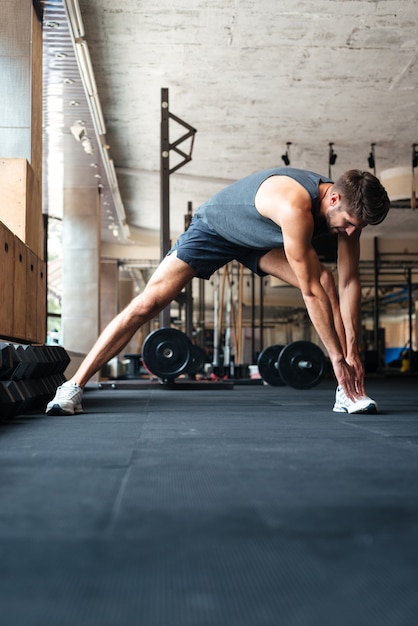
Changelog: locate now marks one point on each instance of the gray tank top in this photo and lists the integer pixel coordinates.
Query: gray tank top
(232, 214)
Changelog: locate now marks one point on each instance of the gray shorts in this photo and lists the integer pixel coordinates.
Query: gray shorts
(206, 251)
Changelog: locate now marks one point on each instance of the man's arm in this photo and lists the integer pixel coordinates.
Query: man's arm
(297, 227)
(349, 289)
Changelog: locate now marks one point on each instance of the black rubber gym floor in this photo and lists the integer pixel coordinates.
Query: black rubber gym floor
(245, 507)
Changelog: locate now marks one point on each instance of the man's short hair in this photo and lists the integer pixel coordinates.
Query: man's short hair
(365, 196)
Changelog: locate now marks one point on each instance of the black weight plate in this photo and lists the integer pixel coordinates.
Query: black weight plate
(167, 352)
(197, 361)
(302, 364)
(267, 365)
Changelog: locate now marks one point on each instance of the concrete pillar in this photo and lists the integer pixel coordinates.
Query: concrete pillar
(21, 122)
(22, 267)
(109, 278)
(15, 74)
(81, 271)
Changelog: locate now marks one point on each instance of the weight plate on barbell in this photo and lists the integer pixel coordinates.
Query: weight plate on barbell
(167, 353)
(197, 360)
(267, 365)
(302, 364)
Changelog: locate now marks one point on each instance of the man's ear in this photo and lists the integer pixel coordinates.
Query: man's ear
(334, 198)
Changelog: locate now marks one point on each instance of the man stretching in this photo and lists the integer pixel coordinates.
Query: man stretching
(267, 222)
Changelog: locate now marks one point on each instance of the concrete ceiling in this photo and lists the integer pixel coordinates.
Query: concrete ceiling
(250, 77)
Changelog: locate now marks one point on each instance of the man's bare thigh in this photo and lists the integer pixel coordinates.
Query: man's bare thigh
(276, 264)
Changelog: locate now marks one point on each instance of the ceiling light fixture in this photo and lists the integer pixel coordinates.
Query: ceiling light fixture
(371, 159)
(111, 173)
(332, 157)
(97, 115)
(285, 156)
(114, 228)
(78, 130)
(72, 9)
(87, 145)
(86, 67)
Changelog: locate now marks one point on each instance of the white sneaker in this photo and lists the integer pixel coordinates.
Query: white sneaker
(67, 400)
(345, 405)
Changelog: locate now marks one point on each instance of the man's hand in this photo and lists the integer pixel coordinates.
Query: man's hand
(357, 365)
(347, 378)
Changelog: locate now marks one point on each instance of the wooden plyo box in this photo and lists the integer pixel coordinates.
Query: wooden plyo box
(7, 261)
(21, 202)
(23, 290)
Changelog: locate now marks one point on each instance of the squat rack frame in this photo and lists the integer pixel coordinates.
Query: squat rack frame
(165, 172)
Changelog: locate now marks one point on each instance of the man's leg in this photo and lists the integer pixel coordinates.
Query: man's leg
(276, 264)
(171, 276)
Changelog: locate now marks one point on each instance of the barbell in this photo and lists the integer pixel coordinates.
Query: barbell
(300, 364)
(168, 353)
